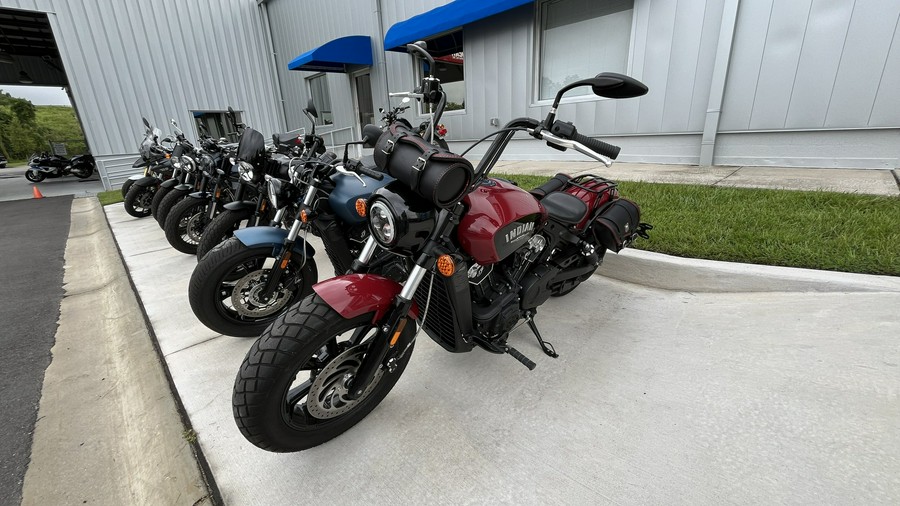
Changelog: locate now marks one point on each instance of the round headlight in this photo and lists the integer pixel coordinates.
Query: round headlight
(177, 165)
(382, 223)
(246, 171)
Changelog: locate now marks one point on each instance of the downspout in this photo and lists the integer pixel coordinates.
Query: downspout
(381, 59)
(717, 85)
(273, 63)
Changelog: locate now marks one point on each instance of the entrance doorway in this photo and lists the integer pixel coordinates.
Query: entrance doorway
(362, 92)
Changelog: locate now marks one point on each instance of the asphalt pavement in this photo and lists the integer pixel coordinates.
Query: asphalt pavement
(679, 382)
(14, 186)
(34, 234)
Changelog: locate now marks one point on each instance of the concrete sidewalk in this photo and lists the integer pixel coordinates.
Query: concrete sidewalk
(866, 181)
(732, 384)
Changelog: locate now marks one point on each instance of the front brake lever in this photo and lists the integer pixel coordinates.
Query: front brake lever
(346, 172)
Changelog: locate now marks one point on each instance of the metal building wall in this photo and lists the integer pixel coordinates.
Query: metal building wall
(130, 58)
(810, 83)
(813, 83)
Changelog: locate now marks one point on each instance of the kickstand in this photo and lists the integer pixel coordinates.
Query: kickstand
(546, 346)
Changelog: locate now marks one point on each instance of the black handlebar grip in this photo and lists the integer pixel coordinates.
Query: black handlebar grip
(378, 176)
(597, 145)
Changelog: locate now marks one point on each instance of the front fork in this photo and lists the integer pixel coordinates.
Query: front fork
(287, 248)
(386, 346)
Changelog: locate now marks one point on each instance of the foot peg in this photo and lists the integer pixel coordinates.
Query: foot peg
(546, 346)
(514, 353)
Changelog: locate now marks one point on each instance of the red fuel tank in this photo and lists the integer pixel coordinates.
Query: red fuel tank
(501, 217)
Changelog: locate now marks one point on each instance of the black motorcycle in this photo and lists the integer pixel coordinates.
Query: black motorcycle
(157, 164)
(248, 280)
(45, 165)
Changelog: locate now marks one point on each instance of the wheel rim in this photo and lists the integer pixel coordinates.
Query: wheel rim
(318, 390)
(246, 296)
(190, 227)
(327, 396)
(238, 291)
(142, 202)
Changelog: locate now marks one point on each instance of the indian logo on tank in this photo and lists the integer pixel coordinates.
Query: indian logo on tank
(520, 232)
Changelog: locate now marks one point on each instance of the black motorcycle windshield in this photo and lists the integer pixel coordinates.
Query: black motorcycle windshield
(251, 147)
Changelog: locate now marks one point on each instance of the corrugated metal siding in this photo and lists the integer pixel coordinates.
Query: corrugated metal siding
(801, 64)
(128, 59)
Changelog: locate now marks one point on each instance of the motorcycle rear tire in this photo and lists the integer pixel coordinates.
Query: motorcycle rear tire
(227, 263)
(182, 231)
(137, 201)
(220, 229)
(259, 401)
(83, 172)
(168, 202)
(34, 176)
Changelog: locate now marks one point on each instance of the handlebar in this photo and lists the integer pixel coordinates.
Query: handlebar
(579, 143)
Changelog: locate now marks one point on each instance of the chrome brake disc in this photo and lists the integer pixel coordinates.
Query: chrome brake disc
(246, 296)
(327, 396)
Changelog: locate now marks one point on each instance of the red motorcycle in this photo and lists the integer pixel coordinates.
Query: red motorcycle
(483, 256)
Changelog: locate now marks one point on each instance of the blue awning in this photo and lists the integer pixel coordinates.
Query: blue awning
(335, 55)
(443, 19)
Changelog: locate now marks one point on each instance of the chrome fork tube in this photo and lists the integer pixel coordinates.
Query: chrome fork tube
(412, 283)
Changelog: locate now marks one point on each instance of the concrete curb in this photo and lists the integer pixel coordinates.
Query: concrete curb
(666, 272)
(108, 430)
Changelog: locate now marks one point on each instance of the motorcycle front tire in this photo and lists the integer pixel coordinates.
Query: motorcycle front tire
(137, 201)
(266, 406)
(185, 223)
(158, 198)
(210, 291)
(34, 176)
(169, 201)
(126, 186)
(220, 229)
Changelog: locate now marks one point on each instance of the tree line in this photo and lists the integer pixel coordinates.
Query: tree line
(26, 128)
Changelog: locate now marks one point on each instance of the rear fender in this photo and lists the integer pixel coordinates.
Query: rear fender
(241, 204)
(272, 237)
(147, 181)
(356, 294)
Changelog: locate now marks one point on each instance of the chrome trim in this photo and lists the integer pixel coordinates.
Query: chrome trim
(295, 229)
(368, 250)
(412, 283)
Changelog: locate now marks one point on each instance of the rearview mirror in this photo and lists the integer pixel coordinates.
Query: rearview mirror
(146, 123)
(311, 109)
(612, 85)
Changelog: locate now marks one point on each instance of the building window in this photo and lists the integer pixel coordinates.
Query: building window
(581, 38)
(447, 51)
(218, 124)
(318, 90)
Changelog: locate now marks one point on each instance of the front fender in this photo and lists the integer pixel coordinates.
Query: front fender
(352, 295)
(241, 204)
(169, 183)
(136, 177)
(199, 195)
(183, 187)
(147, 181)
(272, 237)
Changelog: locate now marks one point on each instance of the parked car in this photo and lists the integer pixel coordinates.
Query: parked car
(2, 162)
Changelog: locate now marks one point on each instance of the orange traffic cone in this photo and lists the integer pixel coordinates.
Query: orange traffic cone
(37, 193)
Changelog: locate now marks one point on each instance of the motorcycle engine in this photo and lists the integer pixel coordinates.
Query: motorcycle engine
(496, 306)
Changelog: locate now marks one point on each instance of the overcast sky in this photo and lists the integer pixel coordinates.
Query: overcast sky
(39, 95)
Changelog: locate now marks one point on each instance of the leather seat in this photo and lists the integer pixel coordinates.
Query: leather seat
(564, 208)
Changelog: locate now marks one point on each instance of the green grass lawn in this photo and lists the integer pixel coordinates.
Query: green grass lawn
(110, 197)
(816, 230)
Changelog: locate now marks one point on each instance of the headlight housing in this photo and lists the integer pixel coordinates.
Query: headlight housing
(246, 171)
(383, 223)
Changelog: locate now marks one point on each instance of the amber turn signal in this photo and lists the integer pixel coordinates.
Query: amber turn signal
(361, 207)
(303, 216)
(446, 266)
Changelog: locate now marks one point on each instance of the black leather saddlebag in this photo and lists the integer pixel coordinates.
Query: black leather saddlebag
(433, 172)
(617, 224)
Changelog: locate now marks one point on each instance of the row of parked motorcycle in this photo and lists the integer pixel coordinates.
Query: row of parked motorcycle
(420, 239)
